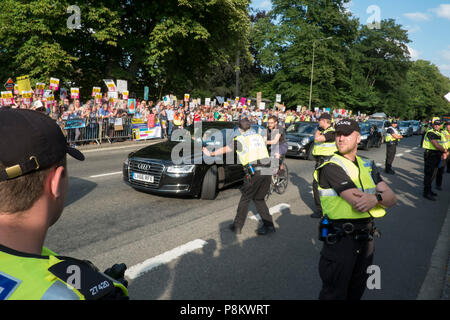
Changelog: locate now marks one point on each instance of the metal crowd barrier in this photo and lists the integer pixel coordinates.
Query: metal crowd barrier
(108, 129)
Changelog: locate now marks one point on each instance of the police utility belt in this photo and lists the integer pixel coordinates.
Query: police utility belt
(331, 231)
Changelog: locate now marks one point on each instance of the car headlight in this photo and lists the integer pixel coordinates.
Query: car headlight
(126, 162)
(181, 169)
(305, 141)
(364, 137)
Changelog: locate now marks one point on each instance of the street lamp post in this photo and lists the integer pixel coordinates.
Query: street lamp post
(312, 69)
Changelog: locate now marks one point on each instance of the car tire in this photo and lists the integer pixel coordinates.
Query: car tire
(209, 185)
(310, 156)
(379, 143)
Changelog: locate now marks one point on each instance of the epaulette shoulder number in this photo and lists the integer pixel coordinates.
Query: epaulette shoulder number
(84, 277)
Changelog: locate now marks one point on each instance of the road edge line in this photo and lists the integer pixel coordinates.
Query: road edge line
(433, 286)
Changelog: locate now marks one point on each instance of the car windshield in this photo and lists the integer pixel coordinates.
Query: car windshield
(364, 126)
(403, 123)
(302, 128)
(208, 131)
(378, 123)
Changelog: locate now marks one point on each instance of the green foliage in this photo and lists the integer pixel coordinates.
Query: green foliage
(359, 68)
(191, 46)
(166, 45)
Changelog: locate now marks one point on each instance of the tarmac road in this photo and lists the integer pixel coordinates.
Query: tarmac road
(107, 222)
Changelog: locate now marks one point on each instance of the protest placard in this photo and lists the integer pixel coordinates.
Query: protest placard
(112, 96)
(7, 98)
(131, 106)
(27, 95)
(39, 90)
(24, 83)
(110, 85)
(122, 85)
(63, 93)
(75, 124)
(49, 97)
(187, 96)
(125, 95)
(54, 84)
(96, 90)
(75, 93)
(9, 85)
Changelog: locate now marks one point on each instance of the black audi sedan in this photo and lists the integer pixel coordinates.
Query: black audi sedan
(370, 136)
(157, 169)
(300, 139)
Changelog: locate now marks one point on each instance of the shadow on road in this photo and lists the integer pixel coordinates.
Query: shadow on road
(284, 265)
(78, 188)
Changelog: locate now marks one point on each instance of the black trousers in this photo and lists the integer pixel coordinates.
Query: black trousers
(254, 189)
(448, 165)
(343, 269)
(319, 161)
(431, 161)
(391, 149)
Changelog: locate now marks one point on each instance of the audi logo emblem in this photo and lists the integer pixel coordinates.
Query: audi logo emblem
(144, 166)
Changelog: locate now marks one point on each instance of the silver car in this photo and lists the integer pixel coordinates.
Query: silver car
(416, 126)
(405, 128)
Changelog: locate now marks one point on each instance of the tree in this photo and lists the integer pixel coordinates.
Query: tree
(426, 88)
(285, 42)
(156, 43)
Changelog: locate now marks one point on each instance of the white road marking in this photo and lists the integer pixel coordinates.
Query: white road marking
(408, 151)
(379, 164)
(106, 174)
(415, 148)
(149, 264)
(274, 209)
(400, 155)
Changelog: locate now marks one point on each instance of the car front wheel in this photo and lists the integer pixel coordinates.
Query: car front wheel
(209, 186)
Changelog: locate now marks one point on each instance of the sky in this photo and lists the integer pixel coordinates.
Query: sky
(427, 22)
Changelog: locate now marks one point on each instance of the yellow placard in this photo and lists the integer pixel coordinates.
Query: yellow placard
(7, 95)
(24, 84)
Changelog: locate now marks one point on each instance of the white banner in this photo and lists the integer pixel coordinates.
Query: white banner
(150, 133)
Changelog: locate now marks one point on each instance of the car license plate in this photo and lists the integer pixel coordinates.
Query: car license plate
(289, 147)
(142, 177)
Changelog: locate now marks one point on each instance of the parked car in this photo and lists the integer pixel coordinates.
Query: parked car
(381, 125)
(416, 127)
(370, 136)
(152, 169)
(405, 128)
(300, 139)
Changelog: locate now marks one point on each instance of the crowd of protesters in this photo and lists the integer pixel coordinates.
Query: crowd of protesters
(168, 116)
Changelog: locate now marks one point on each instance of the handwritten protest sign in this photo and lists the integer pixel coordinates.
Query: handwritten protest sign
(122, 86)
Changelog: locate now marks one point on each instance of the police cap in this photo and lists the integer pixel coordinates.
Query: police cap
(30, 141)
(347, 127)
